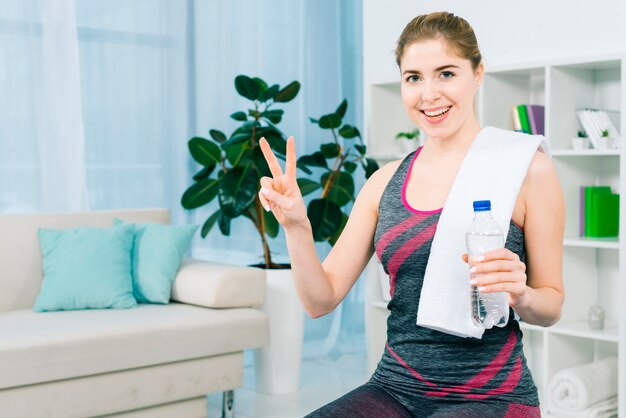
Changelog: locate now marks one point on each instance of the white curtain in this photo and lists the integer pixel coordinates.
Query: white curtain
(103, 95)
(315, 42)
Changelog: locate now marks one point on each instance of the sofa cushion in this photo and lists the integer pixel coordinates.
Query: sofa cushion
(59, 345)
(217, 285)
(157, 253)
(86, 268)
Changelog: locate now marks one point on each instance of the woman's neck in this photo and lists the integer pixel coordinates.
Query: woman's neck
(454, 145)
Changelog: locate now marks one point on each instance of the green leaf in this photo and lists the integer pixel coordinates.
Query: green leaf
(218, 136)
(330, 121)
(240, 155)
(247, 87)
(260, 163)
(329, 150)
(271, 224)
(277, 141)
(200, 193)
(237, 138)
(315, 121)
(288, 93)
(303, 167)
(240, 116)
(307, 186)
(349, 166)
(237, 190)
(274, 115)
(342, 190)
(360, 148)
(314, 160)
(341, 109)
(204, 173)
(223, 222)
(325, 217)
(206, 228)
(344, 220)
(371, 167)
(204, 151)
(262, 86)
(269, 93)
(348, 131)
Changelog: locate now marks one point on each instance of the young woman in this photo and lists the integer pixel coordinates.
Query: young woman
(424, 372)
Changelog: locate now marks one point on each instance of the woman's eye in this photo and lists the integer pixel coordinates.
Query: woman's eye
(413, 78)
(447, 74)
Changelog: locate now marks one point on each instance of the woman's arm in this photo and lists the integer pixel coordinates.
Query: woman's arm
(321, 287)
(535, 288)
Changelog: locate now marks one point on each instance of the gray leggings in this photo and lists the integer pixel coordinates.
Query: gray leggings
(372, 401)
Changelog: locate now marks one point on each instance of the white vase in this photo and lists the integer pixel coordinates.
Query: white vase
(277, 367)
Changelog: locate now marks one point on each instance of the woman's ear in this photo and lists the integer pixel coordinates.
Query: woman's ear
(479, 74)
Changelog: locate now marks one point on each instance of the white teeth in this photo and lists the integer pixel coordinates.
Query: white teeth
(436, 112)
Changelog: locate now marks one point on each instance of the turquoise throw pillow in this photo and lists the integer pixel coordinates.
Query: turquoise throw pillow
(86, 268)
(157, 253)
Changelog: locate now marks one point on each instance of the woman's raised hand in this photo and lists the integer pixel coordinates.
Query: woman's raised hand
(280, 193)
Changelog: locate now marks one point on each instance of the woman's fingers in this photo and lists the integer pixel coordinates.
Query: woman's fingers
(273, 196)
(268, 183)
(290, 166)
(270, 158)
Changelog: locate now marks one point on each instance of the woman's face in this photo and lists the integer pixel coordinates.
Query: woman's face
(438, 88)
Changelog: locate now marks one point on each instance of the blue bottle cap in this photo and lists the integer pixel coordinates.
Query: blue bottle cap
(482, 205)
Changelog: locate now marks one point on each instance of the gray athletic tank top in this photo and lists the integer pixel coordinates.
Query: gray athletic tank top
(420, 362)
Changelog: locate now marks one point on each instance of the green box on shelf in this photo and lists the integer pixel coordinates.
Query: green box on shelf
(604, 221)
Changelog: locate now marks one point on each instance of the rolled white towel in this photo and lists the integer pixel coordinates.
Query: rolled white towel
(603, 409)
(577, 388)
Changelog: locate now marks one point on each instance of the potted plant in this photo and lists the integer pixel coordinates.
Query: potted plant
(231, 169)
(409, 140)
(581, 141)
(338, 161)
(603, 141)
(231, 166)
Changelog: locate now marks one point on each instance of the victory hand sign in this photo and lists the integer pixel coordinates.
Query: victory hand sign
(280, 193)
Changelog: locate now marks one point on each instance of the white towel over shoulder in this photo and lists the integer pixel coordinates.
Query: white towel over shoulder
(494, 169)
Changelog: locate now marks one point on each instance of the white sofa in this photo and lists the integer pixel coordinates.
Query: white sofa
(150, 361)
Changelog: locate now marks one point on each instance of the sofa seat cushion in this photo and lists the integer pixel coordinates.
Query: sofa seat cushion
(36, 347)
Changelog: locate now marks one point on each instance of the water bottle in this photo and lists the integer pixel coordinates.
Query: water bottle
(483, 235)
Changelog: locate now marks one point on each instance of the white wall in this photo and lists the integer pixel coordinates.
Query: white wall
(508, 32)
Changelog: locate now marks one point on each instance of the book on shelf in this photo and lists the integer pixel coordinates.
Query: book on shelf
(523, 118)
(517, 124)
(536, 117)
(529, 119)
(599, 128)
(599, 212)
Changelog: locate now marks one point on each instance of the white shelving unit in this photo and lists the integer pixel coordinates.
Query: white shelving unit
(594, 270)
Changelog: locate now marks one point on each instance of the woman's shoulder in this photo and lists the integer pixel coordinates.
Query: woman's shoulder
(377, 182)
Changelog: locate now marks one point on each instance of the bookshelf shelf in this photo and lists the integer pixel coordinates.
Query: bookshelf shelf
(608, 243)
(585, 153)
(576, 329)
(581, 329)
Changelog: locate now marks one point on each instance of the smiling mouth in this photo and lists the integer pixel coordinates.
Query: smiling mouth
(436, 113)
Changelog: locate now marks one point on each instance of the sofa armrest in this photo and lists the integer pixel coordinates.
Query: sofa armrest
(216, 285)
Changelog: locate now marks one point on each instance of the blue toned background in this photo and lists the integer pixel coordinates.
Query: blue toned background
(135, 79)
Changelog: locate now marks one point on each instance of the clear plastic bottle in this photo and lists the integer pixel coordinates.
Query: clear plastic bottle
(483, 235)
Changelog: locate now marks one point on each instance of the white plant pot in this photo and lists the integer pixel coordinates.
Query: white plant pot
(277, 367)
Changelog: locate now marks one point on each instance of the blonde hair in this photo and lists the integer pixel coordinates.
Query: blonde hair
(455, 30)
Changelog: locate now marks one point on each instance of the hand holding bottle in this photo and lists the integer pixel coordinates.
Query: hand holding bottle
(500, 270)
(280, 193)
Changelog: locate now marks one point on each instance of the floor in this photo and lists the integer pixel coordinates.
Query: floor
(322, 380)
